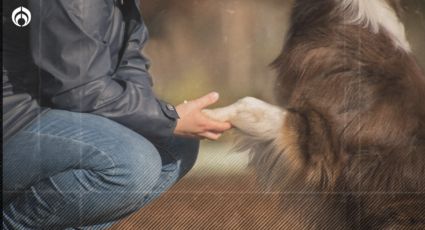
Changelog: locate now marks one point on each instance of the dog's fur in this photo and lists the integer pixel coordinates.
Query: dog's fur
(346, 145)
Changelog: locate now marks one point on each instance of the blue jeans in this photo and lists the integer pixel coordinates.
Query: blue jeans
(69, 170)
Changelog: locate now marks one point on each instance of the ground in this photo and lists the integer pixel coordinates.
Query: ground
(229, 202)
(219, 193)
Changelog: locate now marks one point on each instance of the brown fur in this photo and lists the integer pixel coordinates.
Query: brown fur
(352, 152)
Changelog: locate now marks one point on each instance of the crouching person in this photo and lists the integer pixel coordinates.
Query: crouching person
(86, 141)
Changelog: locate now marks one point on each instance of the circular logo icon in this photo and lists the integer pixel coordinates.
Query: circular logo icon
(21, 16)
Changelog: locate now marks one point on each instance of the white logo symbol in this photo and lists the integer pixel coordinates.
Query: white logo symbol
(21, 16)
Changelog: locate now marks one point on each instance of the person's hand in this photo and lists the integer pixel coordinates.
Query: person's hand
(194, 123)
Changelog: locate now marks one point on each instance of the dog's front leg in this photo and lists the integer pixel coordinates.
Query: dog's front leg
(252, 116)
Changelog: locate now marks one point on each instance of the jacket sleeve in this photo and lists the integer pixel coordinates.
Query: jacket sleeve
(71, 45)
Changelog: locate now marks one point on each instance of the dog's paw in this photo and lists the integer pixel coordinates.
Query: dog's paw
(258, 118)
(220, 114)
(251, 116)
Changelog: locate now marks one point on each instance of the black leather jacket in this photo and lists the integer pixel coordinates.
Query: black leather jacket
(82, 56)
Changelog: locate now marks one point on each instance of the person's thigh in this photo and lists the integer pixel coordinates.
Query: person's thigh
(72, 168)
(63, 140)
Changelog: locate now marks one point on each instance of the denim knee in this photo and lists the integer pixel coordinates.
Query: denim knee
(137, 169)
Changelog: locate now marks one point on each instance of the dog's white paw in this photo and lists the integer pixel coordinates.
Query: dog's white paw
(251, 116)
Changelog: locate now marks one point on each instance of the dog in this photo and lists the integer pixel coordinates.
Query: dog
(345, 144)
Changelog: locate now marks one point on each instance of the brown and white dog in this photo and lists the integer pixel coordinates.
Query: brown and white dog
(346, 145)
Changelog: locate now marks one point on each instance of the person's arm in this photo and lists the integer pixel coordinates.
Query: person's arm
(70, 45)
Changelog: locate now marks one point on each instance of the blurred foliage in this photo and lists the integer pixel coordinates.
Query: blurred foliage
(199, 46)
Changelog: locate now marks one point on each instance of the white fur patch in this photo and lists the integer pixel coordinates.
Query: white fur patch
(376, 14)
(253, 117)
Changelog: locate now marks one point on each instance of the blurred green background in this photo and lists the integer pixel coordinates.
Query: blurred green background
(198, 46)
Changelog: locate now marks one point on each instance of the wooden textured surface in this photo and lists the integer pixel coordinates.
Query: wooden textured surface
(216, 202)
